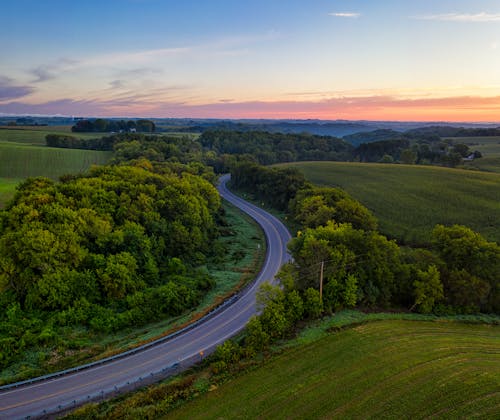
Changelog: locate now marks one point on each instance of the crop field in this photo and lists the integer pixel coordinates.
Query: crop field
(488, 164)
(22, 160)
(488, 146)
(410, 200)
(36, 135)
(386, 369)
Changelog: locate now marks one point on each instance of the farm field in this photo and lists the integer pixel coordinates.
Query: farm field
(386, 369)
(22, 160)
(488, 146)
(488, 164)
(410, 200)
(36, 135)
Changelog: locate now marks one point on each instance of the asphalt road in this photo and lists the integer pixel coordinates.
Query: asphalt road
(61, 392)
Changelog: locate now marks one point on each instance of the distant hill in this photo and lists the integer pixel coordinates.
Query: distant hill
(372, 136)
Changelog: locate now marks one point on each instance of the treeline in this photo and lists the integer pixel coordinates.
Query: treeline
(446, 131)
(459, 273)
(100, 125)
(222, 149)
(421, 151)
(70, 142)
(103, 251)
(268, 148)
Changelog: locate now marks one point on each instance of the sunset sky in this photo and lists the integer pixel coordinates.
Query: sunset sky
(338, 59)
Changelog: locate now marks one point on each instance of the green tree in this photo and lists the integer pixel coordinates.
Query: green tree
(313, 307)
(428, 289)
(408, 156)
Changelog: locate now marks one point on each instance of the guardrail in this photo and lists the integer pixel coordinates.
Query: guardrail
(128, 386)
(137, 349)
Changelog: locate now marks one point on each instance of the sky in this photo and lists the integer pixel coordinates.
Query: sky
(338, 59)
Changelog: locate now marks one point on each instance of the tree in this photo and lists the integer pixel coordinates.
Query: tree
(428, 289)
(386, 159)
(313, 307)
(472, 270)
(408, 156)
(461, 149)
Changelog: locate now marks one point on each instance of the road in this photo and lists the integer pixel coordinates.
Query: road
(66, 391)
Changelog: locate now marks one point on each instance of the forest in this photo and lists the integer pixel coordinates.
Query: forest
(100, 125)
(114, 248)
(222, 148)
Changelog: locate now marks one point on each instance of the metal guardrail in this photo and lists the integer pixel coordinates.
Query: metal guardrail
(123, 387)
(137, 349)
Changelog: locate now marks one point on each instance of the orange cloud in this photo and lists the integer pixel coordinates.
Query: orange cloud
(386, 108)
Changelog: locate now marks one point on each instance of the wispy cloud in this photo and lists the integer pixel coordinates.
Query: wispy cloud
(43, 73)
(10, 90)
(117, 84)
(345, 14)
(462, 17)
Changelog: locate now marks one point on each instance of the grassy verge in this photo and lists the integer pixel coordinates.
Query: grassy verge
(410, 200)
(345, 366)
(246, 250)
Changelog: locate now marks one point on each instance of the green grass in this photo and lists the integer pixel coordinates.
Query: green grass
(21, 160)
(410, 200)
(488, 164)
(385, 369)
(36, 135)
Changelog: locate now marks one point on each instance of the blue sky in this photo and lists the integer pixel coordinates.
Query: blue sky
(393, 60)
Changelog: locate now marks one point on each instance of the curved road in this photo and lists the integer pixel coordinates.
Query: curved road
(182, 350)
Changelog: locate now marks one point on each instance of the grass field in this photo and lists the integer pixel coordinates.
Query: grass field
(22, 160)
(488, 146)
(410, 200)
(385, 369)
(36, 135)
(488, 164)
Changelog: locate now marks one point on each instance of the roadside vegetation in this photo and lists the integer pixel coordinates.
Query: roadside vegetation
(244, 248)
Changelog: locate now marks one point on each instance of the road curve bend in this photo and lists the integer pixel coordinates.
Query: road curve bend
(182, 350)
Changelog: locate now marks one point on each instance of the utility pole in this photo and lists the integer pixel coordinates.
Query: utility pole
(321, 281)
